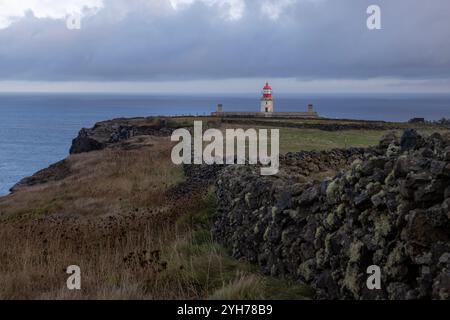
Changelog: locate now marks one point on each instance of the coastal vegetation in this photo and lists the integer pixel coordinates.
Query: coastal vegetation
(115, 216)
(135, 224)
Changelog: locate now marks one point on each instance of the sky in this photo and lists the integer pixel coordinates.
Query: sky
(226, 46)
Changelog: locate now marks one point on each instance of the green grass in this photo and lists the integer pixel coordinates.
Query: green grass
(292, 140)
(254, 287)
(200, 264)
(295, 139)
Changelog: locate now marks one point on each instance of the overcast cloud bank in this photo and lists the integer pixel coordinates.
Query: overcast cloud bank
(181, 40)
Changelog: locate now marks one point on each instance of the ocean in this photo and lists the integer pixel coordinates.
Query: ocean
(37, 129)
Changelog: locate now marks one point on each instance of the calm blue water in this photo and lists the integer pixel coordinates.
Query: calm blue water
(37, 129)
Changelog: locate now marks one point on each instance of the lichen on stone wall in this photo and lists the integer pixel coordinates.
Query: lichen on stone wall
(388, 206)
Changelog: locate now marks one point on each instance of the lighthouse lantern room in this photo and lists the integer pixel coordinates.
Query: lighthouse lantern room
(267, 99)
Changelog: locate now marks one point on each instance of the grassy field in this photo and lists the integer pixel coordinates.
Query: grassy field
(313, 139)
(115, 217)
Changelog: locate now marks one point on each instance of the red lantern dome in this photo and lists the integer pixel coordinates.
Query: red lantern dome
(267, 92)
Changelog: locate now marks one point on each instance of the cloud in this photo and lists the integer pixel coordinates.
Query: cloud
(231, 9)
(152, 40)
(273, 8)
(11, 10)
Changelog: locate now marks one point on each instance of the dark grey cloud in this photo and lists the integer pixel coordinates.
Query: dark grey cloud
(325, 39)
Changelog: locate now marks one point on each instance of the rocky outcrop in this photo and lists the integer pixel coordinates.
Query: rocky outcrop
(86, 141)
(55, 172)
(198, 180)
(103, 134)
(297, 165)
(300, 165)
(390, 208)
(108, 133)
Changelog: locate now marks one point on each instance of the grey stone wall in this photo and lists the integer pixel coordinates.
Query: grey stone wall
(309, 115)
(390, 207)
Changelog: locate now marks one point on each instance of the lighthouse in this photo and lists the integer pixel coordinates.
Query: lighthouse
(267, 99)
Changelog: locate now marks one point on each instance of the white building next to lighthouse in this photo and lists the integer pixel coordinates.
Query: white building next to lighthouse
(266, 110)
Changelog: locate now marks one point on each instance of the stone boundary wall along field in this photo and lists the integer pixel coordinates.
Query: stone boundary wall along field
(390, 207)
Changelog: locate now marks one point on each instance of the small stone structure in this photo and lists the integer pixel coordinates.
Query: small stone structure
(267, 109)
(310, 114)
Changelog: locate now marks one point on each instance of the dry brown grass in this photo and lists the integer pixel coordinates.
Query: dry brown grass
(114, 217)
(110, 217)
(103, 182)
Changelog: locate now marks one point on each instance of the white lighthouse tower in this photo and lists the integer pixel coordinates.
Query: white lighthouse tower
(267, 99)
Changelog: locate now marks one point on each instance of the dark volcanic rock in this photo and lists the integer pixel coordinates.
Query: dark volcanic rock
(108, 133)
(84, 143)
(388, 139)
(389, 208)
(410, 139)
(55, 172)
